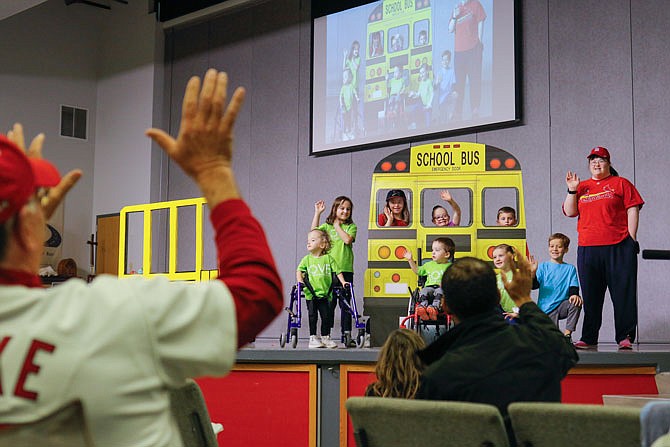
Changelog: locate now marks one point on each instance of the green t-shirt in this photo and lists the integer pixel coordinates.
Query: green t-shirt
(353, 64)
(396, 86)
(347, 96)
(426, 92)
(341, 252)
(506, 301)
(320, 272)
(433, 272)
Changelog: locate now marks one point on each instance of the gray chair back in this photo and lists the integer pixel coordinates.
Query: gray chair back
(538, 424)
(388, 422)
(65, 427)
(190, 413)
(654, 421)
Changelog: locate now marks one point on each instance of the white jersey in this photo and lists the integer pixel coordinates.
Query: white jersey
(115, 345)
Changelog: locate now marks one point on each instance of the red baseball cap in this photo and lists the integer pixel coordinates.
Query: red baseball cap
(599, 151)
(20, 177)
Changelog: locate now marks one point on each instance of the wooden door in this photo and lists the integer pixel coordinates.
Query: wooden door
(107, 250)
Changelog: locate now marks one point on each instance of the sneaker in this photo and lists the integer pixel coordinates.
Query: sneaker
(315, 342)
(326, 342)
(352, 342)
(366, 341)
(583, 345)
(432, 313)
(421, 312)
(625, 344)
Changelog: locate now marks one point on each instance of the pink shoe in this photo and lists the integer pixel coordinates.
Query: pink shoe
(625, 344)
(583, 345)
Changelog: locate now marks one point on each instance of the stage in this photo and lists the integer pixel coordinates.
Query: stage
(292, 397)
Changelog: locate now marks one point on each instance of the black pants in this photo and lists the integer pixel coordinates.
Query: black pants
(345, 317)
(316, 307)
(613, 267)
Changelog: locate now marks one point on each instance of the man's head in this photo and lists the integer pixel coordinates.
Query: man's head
(470, 288)
(21, 178)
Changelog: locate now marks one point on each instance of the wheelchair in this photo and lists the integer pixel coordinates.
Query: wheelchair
(430, 330)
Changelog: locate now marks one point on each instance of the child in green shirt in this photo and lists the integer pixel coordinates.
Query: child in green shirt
(442, 254)
(319, 266)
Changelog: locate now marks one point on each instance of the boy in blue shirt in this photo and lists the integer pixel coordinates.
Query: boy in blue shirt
(559, 288)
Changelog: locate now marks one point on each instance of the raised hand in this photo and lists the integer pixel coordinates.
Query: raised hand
(57, 193)
(522, 280)
(446, 195)
(572, 180)
(319, 207)
(204, 146)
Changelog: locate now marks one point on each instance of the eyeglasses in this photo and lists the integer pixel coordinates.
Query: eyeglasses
(597, 161)
(441, 217)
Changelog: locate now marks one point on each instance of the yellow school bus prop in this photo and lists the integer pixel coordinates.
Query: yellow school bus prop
(199, 273)
(388, 21)
(481, 178)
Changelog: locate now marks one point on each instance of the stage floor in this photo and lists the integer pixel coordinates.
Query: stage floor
(269, 351)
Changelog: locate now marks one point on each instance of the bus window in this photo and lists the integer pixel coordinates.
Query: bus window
(503, 200)
(430, 198)
(398, 38)
(387, 195)
(376, 44)
(421, 35)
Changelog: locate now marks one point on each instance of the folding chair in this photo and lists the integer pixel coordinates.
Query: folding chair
(389, 422)
(543, 424)
(190, 413)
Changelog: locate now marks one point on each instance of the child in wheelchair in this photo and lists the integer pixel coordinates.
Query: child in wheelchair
(319, 266)
(430, 295)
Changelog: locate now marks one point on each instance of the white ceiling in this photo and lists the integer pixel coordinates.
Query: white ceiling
(11, 7)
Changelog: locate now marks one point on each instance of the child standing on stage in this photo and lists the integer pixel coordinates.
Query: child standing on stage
(503, 255)
(319, 266)
(431, 294)
(342, 231)
(559, 288)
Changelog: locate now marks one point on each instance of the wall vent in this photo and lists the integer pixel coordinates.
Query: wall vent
(73, 122)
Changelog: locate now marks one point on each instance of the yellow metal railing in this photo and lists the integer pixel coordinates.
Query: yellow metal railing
(199, 274)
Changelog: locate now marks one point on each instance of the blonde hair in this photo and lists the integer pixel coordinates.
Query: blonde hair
(399, 367)
(325, 239)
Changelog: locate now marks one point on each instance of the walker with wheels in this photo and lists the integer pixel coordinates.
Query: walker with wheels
(352, 309)
(294, 310)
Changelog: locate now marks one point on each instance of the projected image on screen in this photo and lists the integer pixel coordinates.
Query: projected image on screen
(398, 69)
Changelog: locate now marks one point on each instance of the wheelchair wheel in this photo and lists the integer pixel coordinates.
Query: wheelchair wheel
(282, 339)
(294, 338)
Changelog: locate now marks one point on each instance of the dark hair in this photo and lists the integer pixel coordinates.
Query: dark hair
(333, 210)
(449, 246)
(399, 193)
(506, 209)
(561, 237)
(470, 288)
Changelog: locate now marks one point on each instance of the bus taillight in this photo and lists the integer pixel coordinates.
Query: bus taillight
(489, 252)
(400, 252)
(400, 166)
(384, 252)
(395, 277)
(510, 163)
(386, 166)
(495, 163)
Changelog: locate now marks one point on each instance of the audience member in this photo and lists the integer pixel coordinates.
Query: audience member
(117, 345)
(398, 367)
(483, 359)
